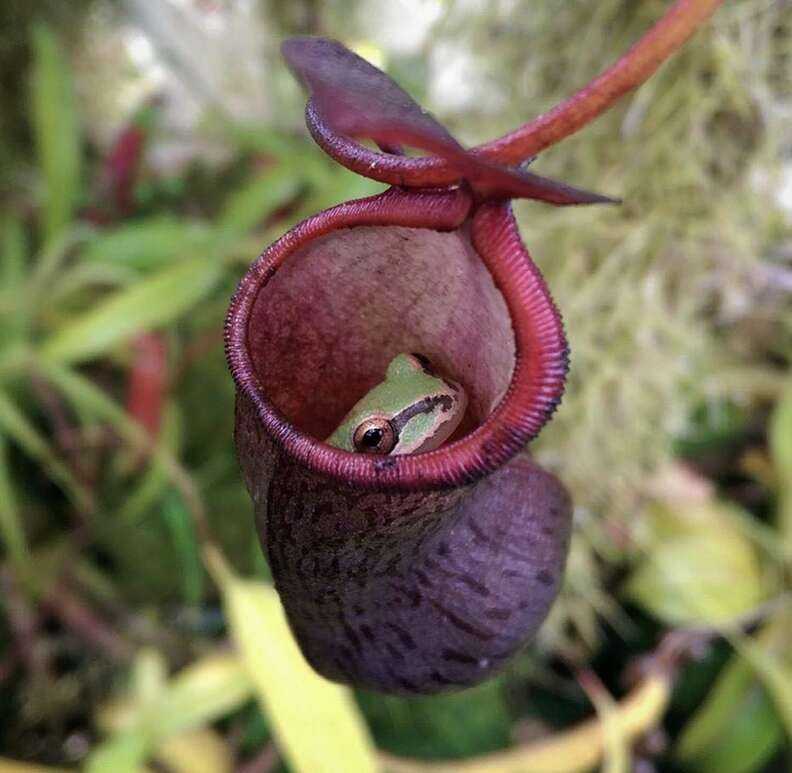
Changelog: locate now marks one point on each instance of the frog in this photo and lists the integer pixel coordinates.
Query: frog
(412, 410)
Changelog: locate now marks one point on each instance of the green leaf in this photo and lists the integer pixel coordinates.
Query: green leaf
(452, 725)
(698, 579)
(49, 262)
(13, 258)
(774, 669)
(149, 677)
(201, 693)
(151, 303)
(123, 753)
(261, 140)
(11, 528)
(56, 130)
(781, 447)
(256, 200)
(781, 436)
(736, 729)
(198, 751)
(698, 568)
(86, 276)
(16, 426)
(148, 244)
(89, 400)
(341, 185)
(92, 402)
(154, 481)
(13, 254)
(182, 532)
(316, 723)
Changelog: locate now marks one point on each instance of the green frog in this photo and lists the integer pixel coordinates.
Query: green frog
(412, 410)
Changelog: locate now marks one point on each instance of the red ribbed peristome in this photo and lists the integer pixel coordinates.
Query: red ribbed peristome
(540, 365)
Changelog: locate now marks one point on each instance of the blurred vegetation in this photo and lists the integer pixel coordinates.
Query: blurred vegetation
(127, 638)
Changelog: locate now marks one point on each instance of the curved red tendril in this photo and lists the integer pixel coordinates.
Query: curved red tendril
(678, 24)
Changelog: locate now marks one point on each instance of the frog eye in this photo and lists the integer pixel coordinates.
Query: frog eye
(374, 436)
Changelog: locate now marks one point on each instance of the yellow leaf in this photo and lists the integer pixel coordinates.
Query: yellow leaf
(317, 725)
(157, 711)
(616, 746)
(200, 693)
(697, 568)
(576, 750)
(199, 751)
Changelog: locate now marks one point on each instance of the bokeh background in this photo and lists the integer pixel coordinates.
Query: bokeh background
(150, 149)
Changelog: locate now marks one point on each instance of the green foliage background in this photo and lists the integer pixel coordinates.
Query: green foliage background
(675, 435)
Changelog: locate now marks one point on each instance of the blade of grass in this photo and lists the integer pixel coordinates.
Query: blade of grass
(10, 522)
(771, 668)
(203, 692)
(736, 729)
(15, 425)
(154, 480)
(84, 276)
(151, 303)
(51, 258)
(89, 399)
(147, 244)
(781, 447)
(93, 402)
(56, 130)
(259, 198)
(182, 532)
(13, 254)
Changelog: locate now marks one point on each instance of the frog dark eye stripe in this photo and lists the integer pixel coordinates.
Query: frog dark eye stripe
(427, 405)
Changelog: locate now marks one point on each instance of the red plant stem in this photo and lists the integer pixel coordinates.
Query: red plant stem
(148, 382)
(121, 169)
(630, 71)
(636, 66)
